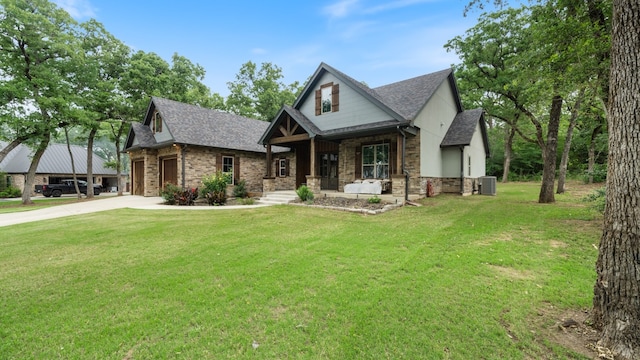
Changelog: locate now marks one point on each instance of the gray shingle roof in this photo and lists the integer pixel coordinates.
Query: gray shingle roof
(409, 96)
(194, 125)
(462, 128)
(403, 99)
(55, 160)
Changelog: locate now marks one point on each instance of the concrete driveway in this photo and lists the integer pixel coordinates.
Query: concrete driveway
(101, 203)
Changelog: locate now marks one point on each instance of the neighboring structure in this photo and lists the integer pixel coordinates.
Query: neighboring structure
(413, 136)
(179, 143)
(55, 165)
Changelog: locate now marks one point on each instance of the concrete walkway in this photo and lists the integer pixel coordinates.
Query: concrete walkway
(105, 202)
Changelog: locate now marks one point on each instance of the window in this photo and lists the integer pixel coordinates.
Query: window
(469, 165)
(283, 168)
(157, 122)
(375, 161)
(227, 167)
(326, 99)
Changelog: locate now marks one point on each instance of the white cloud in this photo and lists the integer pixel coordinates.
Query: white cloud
(78, 9)
(341, 9)
(394, 5)
(258, 51)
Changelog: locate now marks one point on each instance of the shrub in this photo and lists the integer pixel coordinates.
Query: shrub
(240, 190)
(215, 188)
(304, 193)
(10, 192)
(169, 193)
(598, 198)
(374, 200)
(246, 201)
(599, 174)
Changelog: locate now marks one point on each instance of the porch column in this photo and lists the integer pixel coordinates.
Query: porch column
(312, 161)
(268, 175)
(313, 181)
(398, 169)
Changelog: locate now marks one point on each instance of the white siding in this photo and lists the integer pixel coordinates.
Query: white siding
(434, 121)
(451, 162)
(354, 108)
(164, 135)
(478, 155)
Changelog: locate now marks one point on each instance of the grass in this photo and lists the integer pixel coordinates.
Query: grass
(458, 278)
(15, 205)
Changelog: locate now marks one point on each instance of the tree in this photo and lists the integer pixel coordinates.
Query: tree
(616, 301)
(37, 62)
(260, 93)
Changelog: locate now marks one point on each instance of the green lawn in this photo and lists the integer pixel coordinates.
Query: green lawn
(458, 278)
(15, 205)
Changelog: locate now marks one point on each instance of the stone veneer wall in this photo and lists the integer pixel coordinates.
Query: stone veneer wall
(201, 161)
(347, 158)
(286, 182)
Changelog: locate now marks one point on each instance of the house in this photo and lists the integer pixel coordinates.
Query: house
(179, 143)
(411, 137)
(55, 165)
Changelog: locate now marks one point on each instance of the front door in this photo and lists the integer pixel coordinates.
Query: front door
(328, 171)
(138, 178)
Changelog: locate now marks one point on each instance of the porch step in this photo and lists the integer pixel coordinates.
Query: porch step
(278, 197)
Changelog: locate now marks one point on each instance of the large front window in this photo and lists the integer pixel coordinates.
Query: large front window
(375, 161)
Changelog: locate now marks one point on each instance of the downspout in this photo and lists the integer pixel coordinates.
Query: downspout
(183, 152)
(404, 171)
(462, 170)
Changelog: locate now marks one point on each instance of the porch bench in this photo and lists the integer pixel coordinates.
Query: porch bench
(367, 186)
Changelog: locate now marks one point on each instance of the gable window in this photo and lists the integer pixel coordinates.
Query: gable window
(157, 122)
(227, 168)
(375, 161)
(327, 98)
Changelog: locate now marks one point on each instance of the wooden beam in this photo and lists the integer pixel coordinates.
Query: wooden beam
(312, 160)
(398, 169)
(268, 160)
(286, 139)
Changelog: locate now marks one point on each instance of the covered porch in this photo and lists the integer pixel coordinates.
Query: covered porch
(328, 161)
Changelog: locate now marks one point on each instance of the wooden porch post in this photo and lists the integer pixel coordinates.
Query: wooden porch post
(398, 169)
(312, 161)
(268, 160)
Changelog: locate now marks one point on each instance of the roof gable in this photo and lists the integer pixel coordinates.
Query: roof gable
(194, 125)
(463, 127)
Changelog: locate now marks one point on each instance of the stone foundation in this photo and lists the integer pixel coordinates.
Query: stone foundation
(313, 183)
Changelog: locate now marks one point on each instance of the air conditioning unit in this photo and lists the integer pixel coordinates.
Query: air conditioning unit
(488, 185)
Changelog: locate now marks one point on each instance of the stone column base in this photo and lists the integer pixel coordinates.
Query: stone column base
(398, 186)
(268, 184)
(313, 183)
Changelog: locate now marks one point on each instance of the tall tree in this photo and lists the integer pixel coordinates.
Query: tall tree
(37, 57)
(616, 301)
(259, 93)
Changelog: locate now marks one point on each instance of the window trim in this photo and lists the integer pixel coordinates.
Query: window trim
(375, 164)
(157, 122)
(232, 172)
(283, 168)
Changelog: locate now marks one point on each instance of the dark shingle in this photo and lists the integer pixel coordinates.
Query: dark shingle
(194, 125)
(409, 96)
(462, 128)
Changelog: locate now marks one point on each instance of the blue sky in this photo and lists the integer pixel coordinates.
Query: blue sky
(375, 41)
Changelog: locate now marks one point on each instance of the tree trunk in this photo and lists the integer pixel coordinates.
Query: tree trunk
(119, 157)
(550, 151)
(564, 161)
(31, 174)
(508, 149)
(616, 301)
(73, 164)
(92, 135)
